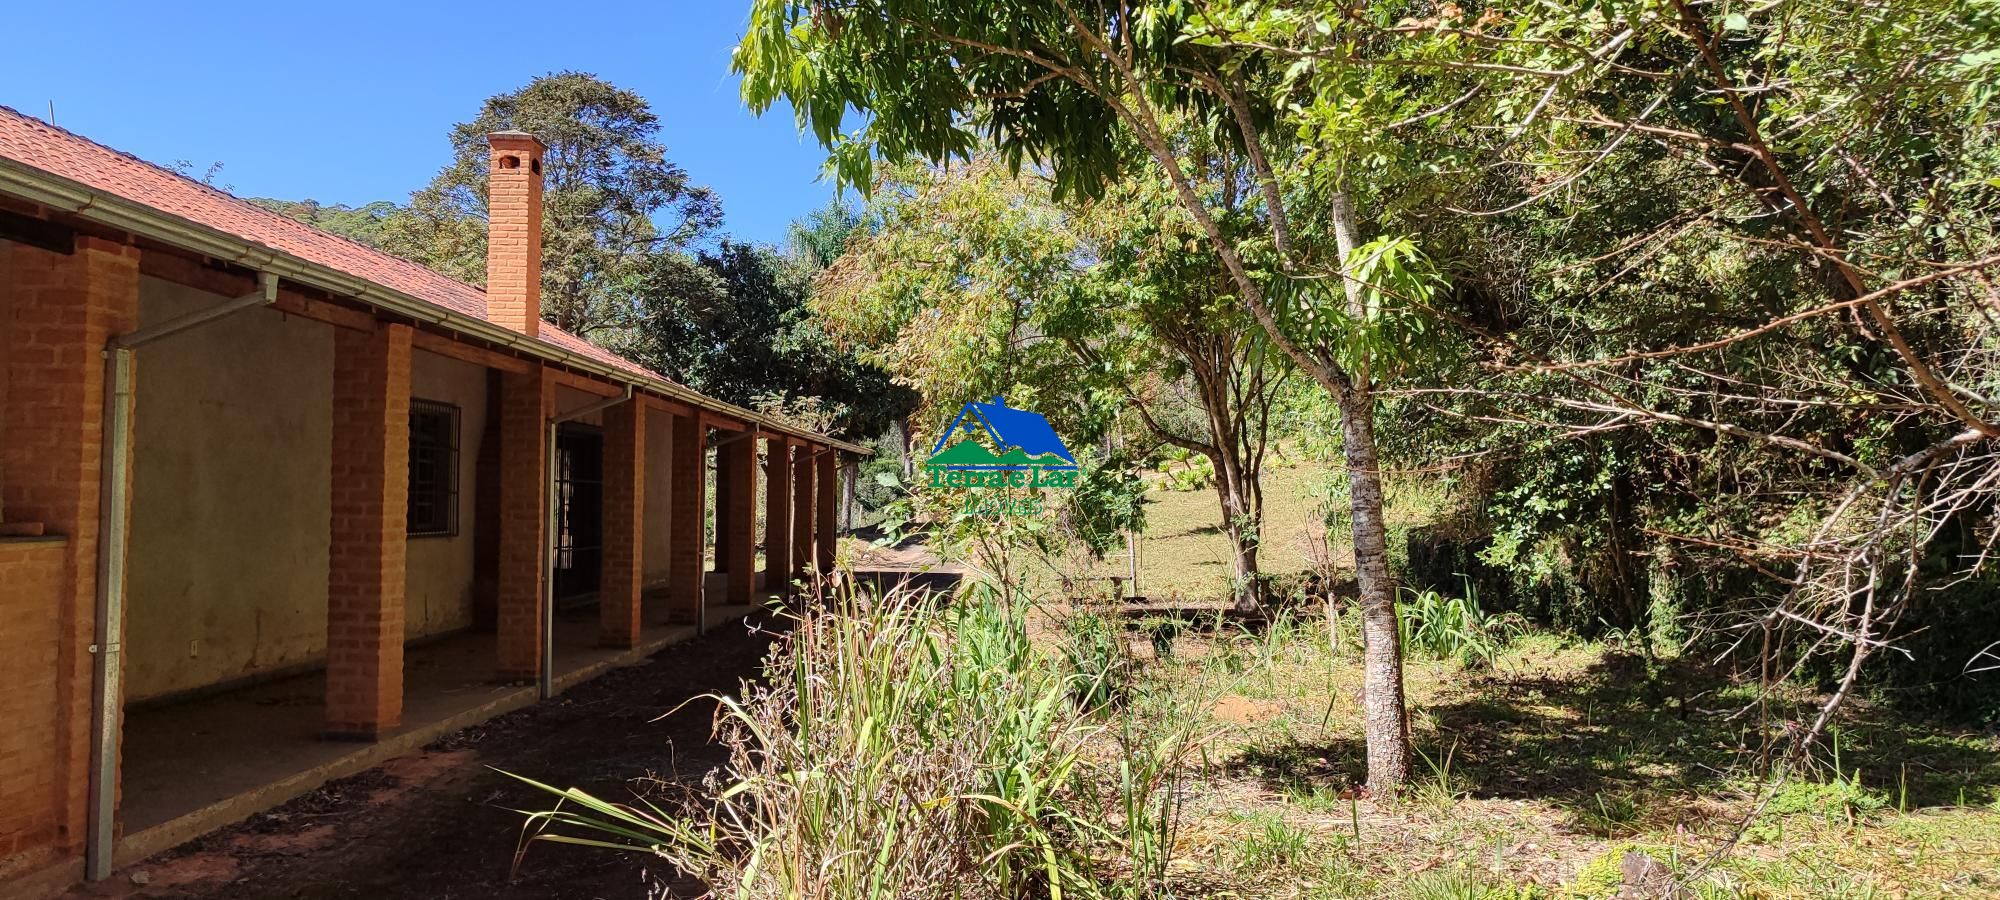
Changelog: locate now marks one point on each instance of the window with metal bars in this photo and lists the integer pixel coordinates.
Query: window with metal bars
(433, 469)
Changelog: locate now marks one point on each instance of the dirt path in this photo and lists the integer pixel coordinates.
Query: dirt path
(438, 824)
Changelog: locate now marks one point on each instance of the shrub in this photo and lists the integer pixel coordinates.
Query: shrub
(1098, 673)
(1453, 627)
(908, 748)
(1837, 797)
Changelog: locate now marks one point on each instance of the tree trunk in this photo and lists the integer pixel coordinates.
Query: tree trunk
(1386, 722)
(1235, 480)
(903, 448)
(1240, 523)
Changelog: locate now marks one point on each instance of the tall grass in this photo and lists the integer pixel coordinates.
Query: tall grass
(1454, 627)
(902, 747)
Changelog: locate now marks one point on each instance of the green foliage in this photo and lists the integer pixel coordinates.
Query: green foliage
(1674, 244)
(1458, 884)
(1107, 503)
(613, 201)
(1453, 627)
(734, 322)
(1185, 471)
(1603, 878)
(1090, 647)
(1273, 845)
(361, 224)
(1838, 796)
(1391, 329)
(947, 708)
(1608, 815)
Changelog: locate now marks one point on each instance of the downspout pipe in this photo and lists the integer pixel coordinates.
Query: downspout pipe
(546, 685)
(113, 530)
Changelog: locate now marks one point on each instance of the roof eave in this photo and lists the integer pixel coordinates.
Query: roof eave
(57, 192)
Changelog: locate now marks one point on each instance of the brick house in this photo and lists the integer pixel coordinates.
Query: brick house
(241, 455)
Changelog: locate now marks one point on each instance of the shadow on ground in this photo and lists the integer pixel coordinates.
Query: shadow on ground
(442, 824)
(1627, 740)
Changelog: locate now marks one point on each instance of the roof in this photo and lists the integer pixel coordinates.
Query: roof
(34, 143)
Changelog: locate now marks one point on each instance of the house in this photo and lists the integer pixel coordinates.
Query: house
(241, 455)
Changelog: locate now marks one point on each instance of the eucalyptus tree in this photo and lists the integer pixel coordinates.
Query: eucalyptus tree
(1092, 91)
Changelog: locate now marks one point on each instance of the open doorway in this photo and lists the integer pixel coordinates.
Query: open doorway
(579, 511)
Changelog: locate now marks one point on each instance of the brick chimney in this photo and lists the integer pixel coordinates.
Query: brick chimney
(514, 232)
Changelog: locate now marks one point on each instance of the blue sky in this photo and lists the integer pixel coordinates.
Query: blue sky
(351, 101)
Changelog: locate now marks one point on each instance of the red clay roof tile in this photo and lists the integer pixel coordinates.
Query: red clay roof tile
(32, 142)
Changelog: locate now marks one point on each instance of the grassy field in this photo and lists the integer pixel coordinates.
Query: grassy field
(1185, 556)
(1545, 761)
(1541, 769)
(1542, 766)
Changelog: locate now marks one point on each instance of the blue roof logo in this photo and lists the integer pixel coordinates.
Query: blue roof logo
(996, 437)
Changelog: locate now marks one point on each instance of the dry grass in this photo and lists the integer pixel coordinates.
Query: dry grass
(1539, 774)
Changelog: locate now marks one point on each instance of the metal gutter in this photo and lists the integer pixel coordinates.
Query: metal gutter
(89, 203)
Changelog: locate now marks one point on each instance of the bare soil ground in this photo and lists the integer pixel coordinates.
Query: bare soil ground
(440, 824)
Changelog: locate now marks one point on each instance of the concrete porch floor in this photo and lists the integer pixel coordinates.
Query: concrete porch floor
(192, 767)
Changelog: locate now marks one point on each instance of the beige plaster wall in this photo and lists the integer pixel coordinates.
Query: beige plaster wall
(438, 588)
(230, 493)
(228, 564)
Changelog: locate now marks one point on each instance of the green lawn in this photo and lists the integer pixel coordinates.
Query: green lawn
(1185, 555)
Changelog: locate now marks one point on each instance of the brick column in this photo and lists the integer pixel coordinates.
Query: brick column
(690, 513)
(525, 401)
(827, 481)
(623, 576)
(370, 531)
(802, 511)
(778, 514)
(740, 521)
(66, 308)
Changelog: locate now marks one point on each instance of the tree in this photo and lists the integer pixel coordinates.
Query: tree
(1073, 86)
(613, 201)
(734, 323)
(1157, 314)
(975, 283)
(1745, 256)
(362, 224)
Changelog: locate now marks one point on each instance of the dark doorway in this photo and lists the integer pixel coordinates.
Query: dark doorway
(579, 509)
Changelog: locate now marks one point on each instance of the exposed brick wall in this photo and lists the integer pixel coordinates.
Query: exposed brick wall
(777, 514)
(802, 510)
(624, 554)
(740, 519)
(33, 583)
(64, 308)
(690, 510)
(514, 233)
(827, 482)
(369, 540)
(525, 400)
